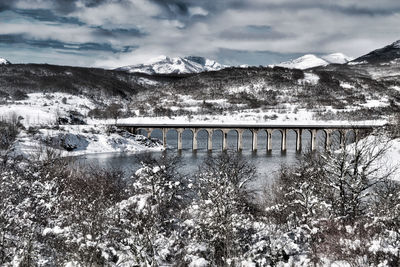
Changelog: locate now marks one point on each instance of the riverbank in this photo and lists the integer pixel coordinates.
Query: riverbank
(76, 140)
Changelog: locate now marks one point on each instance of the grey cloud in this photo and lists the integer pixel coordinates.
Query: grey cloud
(258, 31)
(47, 15)
(60, 6)
(354, 7)
(6, 4)
(176, 8)
(253, 32)
(350, 9)
(20, 39)
(118, 33)
(354, 10)
(179, 9)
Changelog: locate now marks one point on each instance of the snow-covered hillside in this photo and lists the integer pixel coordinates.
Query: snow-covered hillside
(389, 54)
(311, 61)
(4, 61)
(337, 58)
(51, 116)
(179, 65)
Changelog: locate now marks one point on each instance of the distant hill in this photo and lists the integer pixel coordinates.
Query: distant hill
(312, 61)
(176, 65)
(386, 54)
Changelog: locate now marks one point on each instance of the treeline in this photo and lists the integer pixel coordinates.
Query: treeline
(334, 207)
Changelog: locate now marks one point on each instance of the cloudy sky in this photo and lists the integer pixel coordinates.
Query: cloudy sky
(113, 33)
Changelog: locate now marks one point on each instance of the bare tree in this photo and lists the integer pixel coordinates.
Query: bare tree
(114, 111)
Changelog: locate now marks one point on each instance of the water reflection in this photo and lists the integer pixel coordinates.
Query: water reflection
(267, 163)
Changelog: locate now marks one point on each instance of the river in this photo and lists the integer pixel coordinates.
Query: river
(266, 163)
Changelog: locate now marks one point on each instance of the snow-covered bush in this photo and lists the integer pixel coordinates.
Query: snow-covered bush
(345, 201)
(221, 215)
(330, 208)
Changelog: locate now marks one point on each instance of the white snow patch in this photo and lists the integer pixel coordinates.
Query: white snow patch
(337, 58)
(252, 88)
(44, 109)
(248, 264)
(88, 139)
(372, 103)
(199, 262)
(304, 62)
(309, 78)
(4, 61)
(346, 85)
(272, 117)
(357, 62)
(145, 81)
(311, 61)
(55, 230)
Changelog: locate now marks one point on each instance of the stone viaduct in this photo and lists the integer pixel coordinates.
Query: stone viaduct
(358, 130)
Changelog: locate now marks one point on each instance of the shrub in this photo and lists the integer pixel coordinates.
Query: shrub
(20, 95)
(9, 130)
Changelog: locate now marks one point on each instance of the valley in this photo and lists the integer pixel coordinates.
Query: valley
(166, 162)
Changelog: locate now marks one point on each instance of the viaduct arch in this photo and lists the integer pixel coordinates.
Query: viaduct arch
(358, 131)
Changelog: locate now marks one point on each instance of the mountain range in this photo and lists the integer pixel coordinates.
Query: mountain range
(174, 65)
(193, 64)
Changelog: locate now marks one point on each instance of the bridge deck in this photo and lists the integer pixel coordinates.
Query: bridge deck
(244, 126)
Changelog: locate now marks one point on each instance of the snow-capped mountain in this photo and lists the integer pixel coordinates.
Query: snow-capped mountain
(337, 58)
(311, 61)
(178, 65)
(4, 61)
(387, 54)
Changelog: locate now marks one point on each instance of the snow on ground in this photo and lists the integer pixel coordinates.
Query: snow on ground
(145, 81)
(392, 158)
(199, 262)
(346, 85)
(80, 140)
(298, 117)
(388, 72)
(253, 88)
(44, 109)
(32, 115)
(309, 78)
(372, 103)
